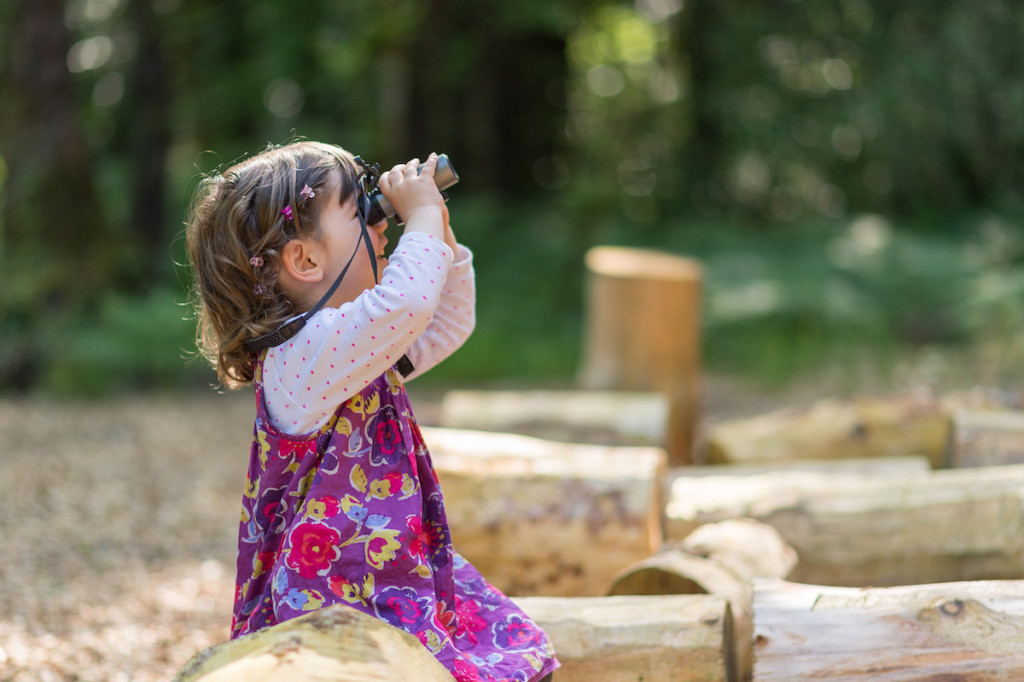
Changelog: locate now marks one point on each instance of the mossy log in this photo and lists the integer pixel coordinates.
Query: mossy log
(719, 558)
(539, 517)
(966, 631)
(674, 638)
(335, 644)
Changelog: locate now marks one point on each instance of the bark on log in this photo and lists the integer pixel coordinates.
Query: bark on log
(624, 639)
(719, 558)
(546, 518)
(335, 644)
(912, 424)
(968, 631)
(986, 438)
(605, 417)
(939, 526)
(643, 332)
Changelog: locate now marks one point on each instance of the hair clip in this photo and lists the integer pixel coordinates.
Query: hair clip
(256, 261)
(307, 192)
(259, 290)
(287, 212)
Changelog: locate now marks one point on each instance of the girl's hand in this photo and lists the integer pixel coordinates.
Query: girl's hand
(416, 198)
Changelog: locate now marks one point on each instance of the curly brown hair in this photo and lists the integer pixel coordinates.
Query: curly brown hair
(237, 216)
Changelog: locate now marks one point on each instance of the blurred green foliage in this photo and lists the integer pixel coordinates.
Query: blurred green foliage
(847, 170)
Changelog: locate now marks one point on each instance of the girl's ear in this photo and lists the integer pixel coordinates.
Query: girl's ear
(301, 261)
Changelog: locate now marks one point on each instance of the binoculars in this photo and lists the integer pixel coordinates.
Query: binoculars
(381, 209)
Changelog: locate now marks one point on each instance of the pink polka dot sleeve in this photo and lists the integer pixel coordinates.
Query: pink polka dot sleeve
(341, 350)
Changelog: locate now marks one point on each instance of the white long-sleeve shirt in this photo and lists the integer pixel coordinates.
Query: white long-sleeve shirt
(424, 307)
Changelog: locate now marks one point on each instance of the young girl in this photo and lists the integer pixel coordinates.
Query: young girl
(341, 503)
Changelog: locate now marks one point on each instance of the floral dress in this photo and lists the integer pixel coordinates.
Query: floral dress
(353, 514)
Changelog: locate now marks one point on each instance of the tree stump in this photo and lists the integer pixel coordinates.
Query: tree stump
(541, 517)
(334, 644)
(642, 333)
(677, 638)
(969, 631)
(719, 558)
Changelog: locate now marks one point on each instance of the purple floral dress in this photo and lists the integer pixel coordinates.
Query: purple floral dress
(353, 514)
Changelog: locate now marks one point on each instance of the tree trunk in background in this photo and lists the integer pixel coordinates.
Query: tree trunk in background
(150, 139)
(698, 32)
(493, 110)
(50, 255)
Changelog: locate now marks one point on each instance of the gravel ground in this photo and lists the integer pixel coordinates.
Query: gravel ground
(118, 521)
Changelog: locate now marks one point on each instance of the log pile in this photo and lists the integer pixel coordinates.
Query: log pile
(683, 554)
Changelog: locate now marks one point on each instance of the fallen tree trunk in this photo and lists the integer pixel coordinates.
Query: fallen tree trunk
(939, 526)
(969, 631)
(719, 558)
(335, 644)
(642, 333)
(546, 518)
(625, 639)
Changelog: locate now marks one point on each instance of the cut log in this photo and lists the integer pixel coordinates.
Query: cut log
(605, 417)
(624, 639)
(849, 529)
(335, 644)
(541, 517)
(642, 333)
(699, 495)
(968, 631)
(913, 424)
(719, 558)
(987, 438)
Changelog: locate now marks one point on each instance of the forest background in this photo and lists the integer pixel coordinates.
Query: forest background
(848, 171)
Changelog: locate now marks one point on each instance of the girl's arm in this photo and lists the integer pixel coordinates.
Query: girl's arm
(341, 350)
(454, 317)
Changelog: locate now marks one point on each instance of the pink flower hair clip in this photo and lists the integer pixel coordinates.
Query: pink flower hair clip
(287, 212)
(256, 261)
(307, 192)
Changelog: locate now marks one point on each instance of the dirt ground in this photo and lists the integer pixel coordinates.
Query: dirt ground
(118, 522)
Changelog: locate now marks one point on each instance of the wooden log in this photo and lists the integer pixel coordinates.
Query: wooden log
(671, 638)
(848, 529)
(334, 644)
(733, 491)
(719, 558)
(604, 417)
(967, 631)
(642, 333)
(910, 424)
(547, 518)
(986, 438)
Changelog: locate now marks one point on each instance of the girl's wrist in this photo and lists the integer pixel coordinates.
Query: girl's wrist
(428, 219)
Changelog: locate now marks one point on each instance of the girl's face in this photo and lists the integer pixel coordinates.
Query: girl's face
(339, 236)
